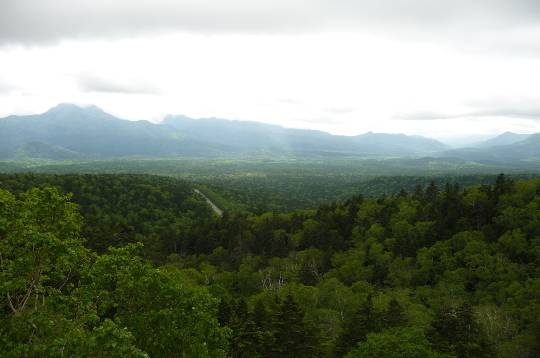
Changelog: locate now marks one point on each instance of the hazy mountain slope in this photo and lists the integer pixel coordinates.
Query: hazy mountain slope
(90, 132)
(527, 149)
(252, 135)
(503, 139)
(522, 151)
(261, 136)
(71, 132)
(398, 144)
(39, 150)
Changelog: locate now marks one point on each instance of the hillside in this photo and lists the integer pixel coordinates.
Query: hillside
(503, 139)
(522, 151)
(437, 272)
(259, 136)
(91, 133)
(71, 132)
(119, 209)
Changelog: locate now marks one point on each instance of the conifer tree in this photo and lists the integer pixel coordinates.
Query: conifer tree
(262, 319)
(224, 312)
(455, 330)
(393, 316)
(356, 328)
(293, 337)
(248, 339)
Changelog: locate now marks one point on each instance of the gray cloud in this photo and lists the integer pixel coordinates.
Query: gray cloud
(426, 116)
(30, 21)
(94, 83)
(530, 112)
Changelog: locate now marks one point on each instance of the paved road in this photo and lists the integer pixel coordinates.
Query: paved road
(214, 207)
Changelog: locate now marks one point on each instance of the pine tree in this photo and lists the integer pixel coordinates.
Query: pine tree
(252, 335)
(393, 316)
(502, 185)
(356, 328)
(418, 192)
(243, 329)
(431, 192)
(455, 330)
(535, 333)
(293, 337)
(262, 319)
(224, 312)
(260, 315)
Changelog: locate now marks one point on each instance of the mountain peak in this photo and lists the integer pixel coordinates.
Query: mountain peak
(175, 117)
(70, 108)
(64, 107)
(505, 138)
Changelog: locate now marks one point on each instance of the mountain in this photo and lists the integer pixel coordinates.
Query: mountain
(252, 135)
(398, 144)
(259, 136)
(68, 131)
(91, 133)
(523, 151)
(39, 150)
(503, 139)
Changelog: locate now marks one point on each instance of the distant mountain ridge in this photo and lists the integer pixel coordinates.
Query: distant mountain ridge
(507, 147)
(254, 135)
(503, 139)
(68, 131)
(92, 133)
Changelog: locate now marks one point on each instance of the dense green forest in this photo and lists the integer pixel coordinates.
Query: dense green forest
(286, 192)
(120, 209)
(281, 184)
(131, 265)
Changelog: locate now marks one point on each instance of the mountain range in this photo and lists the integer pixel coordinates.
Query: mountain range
(70, 132)
(526, 149)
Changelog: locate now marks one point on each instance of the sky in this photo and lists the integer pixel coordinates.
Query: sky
(449, 69)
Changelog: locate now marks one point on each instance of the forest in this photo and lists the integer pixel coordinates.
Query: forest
(280, 184)
(116, 265)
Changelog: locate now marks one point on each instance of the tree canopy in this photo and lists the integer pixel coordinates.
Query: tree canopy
(135, 266)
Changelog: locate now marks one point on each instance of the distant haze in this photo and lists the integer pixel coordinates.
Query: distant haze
(71, 132)
(443, 69)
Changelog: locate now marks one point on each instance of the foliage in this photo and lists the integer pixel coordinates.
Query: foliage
(396, 343)
(58, 298)
(160, 212)
(438, 271)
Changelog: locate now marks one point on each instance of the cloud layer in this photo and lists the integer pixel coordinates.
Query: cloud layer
(94, 83)
(30, 21)
(526, 108)
(345, 66)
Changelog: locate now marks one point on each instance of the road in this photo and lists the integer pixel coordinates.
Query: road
(214, 207)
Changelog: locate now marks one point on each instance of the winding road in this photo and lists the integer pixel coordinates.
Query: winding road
(214, 207)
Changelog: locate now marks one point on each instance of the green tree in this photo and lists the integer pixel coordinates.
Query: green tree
(165, 316)
(246, 338)
(455, 330)
(357, 327)
(396, 343)
(394, 315)
(292, 336)
(41, 258)
(41, 251)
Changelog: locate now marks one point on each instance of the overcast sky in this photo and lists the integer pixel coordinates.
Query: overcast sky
(440, 68)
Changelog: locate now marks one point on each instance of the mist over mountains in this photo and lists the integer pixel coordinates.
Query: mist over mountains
(523, 148)
(70, 132)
